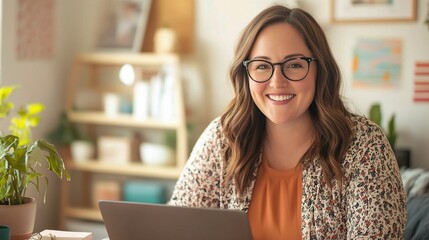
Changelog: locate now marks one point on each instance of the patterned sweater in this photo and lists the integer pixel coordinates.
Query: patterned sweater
(371, 205)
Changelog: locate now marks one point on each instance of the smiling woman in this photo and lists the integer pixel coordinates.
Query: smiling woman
(286, 150)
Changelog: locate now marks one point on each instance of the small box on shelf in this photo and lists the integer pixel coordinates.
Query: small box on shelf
(144, 191)
(120, 150)
(106, 190)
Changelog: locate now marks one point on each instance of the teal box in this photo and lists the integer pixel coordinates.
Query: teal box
(147, 192)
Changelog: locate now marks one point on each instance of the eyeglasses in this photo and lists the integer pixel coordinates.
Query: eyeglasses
(294, 69)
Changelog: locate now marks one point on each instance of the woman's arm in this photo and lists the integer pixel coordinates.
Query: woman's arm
(376, 205)
(198, 185)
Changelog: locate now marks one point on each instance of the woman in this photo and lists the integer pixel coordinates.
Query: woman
(287, 151)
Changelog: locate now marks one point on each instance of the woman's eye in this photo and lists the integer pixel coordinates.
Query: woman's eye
(295, 65)
(263, 66)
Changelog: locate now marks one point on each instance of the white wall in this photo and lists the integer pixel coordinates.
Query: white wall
(412, 118)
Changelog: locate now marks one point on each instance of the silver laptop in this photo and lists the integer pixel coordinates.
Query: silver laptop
(130, 220)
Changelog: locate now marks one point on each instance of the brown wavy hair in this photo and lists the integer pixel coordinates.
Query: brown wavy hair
(244, 124)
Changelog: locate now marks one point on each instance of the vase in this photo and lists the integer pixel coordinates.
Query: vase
(19, 218)
(165, 40)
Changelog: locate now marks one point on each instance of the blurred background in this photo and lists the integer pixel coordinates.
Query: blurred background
(39, 42)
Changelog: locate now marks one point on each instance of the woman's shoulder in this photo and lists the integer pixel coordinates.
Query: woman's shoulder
(212, 134)
(367, 138)
(362, 126)
(214, 128)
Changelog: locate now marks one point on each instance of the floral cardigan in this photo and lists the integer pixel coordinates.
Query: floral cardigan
(372, 204)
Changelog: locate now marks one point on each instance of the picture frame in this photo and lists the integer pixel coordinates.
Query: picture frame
(377, 63)
(361, 11)
(122, 25)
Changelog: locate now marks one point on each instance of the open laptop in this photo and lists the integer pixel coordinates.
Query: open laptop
(130, 220)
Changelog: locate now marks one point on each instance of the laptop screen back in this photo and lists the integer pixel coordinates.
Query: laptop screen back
(129, 220)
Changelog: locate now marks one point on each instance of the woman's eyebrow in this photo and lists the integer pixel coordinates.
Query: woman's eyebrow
(286, 57)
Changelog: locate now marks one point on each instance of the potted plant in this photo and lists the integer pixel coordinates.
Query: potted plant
(402, 155)
(63, 135)
(20, 163)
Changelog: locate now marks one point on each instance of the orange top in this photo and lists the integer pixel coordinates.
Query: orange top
(275, 208)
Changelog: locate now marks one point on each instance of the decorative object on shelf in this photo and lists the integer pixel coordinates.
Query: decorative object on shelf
(141, 93)
(373, 11)
(127, 74)
(65, 132)
(98, 72)
(156, 86)
(82, 150)
(180, 16)
(144, 191)
(165, 40)
(115, 149)
(63, 135)
(156, 154)
(105, 190)
(168, 105)
(111, 103)
(123, 25)
(19, 163)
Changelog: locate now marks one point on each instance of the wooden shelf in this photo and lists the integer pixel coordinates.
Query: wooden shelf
(92, 71)
(131, 169)
(146, 59)
(126, 120)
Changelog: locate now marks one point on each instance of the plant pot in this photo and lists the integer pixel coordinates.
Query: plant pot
(20, 218)
(82, 151)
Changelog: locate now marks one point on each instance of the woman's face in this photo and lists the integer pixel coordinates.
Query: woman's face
(279, 99)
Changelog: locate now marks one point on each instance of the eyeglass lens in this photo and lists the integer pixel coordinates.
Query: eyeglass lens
(294, 69)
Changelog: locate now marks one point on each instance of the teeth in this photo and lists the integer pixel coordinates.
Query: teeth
(280, 97)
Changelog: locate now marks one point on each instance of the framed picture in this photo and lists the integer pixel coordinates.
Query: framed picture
(122, 25)
(373, 10)
(377, 63)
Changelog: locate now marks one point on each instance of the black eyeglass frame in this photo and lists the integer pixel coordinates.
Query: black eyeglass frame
(307, 59)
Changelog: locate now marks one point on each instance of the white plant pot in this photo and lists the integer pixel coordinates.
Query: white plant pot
(156, 154)
(82, 150)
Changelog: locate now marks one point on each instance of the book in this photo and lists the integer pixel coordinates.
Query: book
(49, 234)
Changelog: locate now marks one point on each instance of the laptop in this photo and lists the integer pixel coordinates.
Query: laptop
(132, 220)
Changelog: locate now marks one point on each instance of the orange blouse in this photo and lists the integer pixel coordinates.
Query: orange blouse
(275, 208)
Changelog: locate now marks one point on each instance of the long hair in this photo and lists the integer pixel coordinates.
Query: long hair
(245, 125)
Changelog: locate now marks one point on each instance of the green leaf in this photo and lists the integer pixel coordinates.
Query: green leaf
(5, 92)
(18, 163)
(5, 107)
(391, 133)
(375, 114)
(7, 143)
(34, 108)
(56, 163)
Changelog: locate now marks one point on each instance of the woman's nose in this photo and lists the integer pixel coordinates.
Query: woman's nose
(278, 79)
